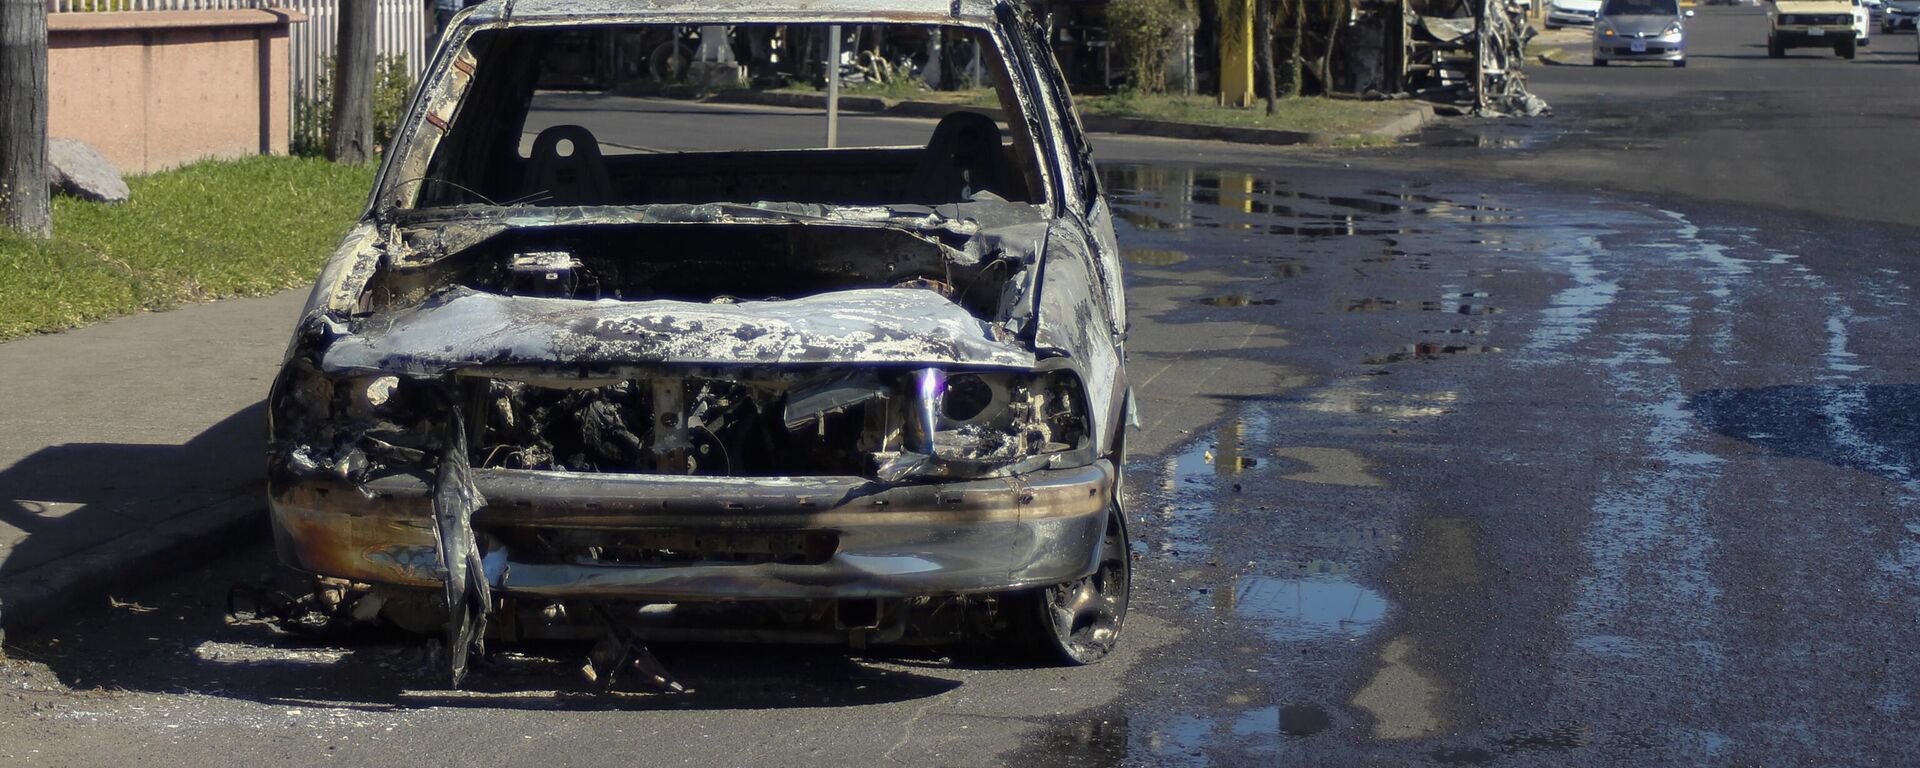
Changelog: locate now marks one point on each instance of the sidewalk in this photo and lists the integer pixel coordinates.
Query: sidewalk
(131, 447)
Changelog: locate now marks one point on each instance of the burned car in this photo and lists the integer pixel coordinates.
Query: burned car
(625, 363)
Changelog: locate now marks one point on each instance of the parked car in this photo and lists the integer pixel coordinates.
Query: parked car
(1811, 24)
(1860, 23)
(1641, 30)
(1899, 15)
(1572, 13)
(598, 364)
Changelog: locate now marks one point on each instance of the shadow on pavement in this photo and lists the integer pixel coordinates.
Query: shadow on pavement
(74, 506)
(1871, 428)
(177, 638)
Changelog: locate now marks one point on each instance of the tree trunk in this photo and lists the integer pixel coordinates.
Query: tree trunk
(1263, 37)
(1337, 17)
(352, 140)
(1296, 54)
(23, 118)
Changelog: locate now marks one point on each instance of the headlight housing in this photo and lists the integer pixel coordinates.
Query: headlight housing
(1605, 29)
(984, 424)
(1673, 30)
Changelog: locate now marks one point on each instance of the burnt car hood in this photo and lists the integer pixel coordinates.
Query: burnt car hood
(461, 328)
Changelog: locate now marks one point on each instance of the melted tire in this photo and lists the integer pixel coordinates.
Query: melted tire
(1077, 623)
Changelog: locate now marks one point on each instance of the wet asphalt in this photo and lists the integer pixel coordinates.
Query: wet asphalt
(1482, 469)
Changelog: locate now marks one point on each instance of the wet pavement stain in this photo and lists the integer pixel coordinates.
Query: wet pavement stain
(1352, 397)
(1330, 466)
(1154, 257)
(1372, 305)
(1428, 350)
(1094, 740)
(1585, 287)
(1444, 561)
(1237, 300)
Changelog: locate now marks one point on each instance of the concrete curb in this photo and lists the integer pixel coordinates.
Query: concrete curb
(36, 597)
(1419, 117)
(1554, 57)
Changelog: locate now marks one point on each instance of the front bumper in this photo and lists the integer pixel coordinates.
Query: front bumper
(1657, 49)
(1035, 529)
(1892, 22)
(1813, 37)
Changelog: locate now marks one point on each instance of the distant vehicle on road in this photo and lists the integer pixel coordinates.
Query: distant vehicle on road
(1811, 24)
(1641, 30)
(1899, 15)
(1572, 13)
(1860, 18)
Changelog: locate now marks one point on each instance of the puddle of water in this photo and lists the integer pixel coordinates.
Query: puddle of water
(1429, 350)
(1169, 198)
(1302, 720)
(1320, 606)
(1182, 741)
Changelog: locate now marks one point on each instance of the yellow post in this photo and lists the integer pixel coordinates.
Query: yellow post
(1236, 53)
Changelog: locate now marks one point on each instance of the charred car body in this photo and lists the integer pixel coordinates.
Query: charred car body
(568, 376)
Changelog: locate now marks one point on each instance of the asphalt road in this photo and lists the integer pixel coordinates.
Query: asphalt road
(1592, 447)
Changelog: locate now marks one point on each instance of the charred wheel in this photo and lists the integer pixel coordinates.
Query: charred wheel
(1079, 622)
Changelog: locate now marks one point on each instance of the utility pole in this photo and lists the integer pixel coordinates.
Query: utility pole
(352, 130)
(23, 118)
(833, 86)
(1236, 53)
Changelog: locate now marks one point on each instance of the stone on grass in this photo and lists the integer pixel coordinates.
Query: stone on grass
(81, 171)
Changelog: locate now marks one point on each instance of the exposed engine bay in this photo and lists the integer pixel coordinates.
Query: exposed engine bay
(720, 263)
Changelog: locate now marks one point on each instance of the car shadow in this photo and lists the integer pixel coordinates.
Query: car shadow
(167, 629)
(1871, 428)
(179, 638)
(71, 506)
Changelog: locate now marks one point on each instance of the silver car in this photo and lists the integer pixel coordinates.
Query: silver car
(1641, 30)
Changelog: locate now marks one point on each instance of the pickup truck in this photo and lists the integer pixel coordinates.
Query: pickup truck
(1811, 24)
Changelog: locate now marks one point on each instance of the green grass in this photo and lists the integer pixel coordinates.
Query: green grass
(1304, 114)
(207, 231)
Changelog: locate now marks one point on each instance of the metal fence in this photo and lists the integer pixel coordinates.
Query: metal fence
(400, 29)
(105, 6)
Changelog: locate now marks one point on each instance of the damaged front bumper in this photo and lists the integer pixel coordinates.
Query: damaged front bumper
(568, 535)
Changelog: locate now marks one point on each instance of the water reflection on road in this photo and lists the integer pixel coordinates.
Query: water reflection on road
(1497, 501)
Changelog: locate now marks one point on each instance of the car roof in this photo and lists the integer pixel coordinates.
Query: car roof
(724, 11)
